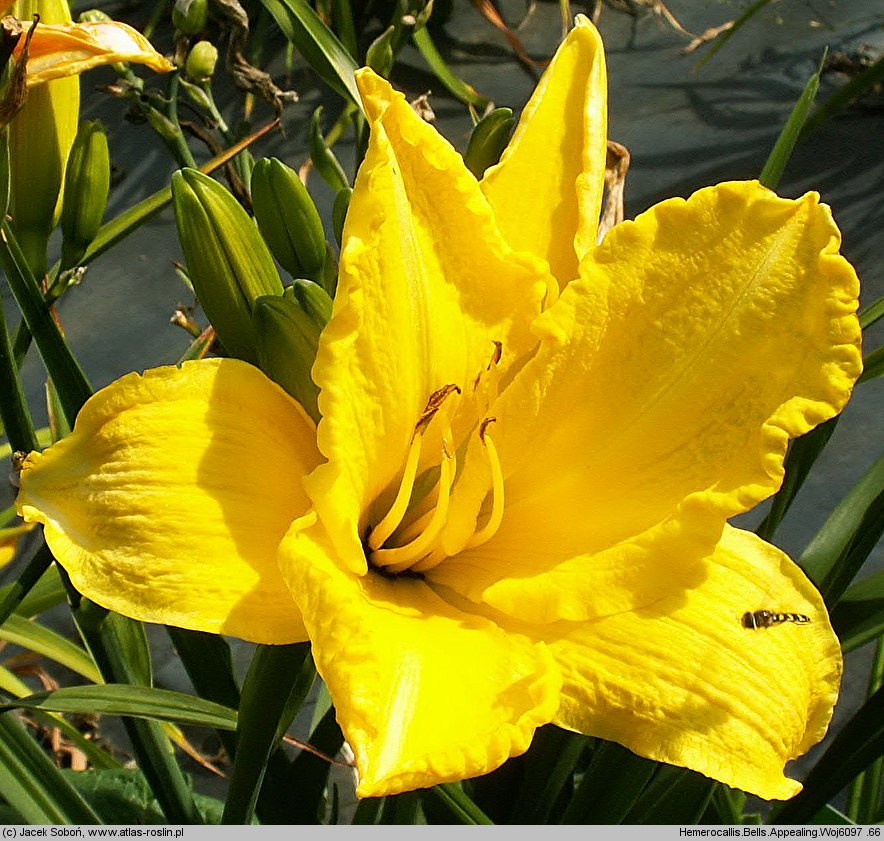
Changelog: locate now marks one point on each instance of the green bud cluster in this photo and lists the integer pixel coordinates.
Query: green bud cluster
(228, 262)
(86, 186)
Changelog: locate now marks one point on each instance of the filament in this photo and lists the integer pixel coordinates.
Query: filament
(394, 516)
(412, 551)
(491, 526)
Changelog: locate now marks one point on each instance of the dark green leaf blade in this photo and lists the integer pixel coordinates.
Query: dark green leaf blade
(782, 150)
(858, 744)
(839, 548)
(274, 689)
(858, 617)
(610, 787)
(803, 453)
(320, 47)
(134, 701)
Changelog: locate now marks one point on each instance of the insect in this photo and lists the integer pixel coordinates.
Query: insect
(756, 619)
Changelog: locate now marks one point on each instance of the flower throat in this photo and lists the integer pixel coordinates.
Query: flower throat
(395, 548)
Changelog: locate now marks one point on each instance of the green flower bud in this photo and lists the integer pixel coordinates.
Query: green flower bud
(488, 140)
(379, 56)
(86, 185)
(288, 219)
(189, 16)
(227, 260)
(201, 61)
(323, 158)
(288, 330)
(339, 213)
(94, 16)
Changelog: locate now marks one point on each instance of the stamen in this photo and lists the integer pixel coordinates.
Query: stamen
(490, 528)
(412, 551)
(394, 516)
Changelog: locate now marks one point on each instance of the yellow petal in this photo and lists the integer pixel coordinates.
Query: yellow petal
(426, 288)
(424, 692)
(700, 339)
(67, 50)
(547, 189)
(683, 682)
(168, 501)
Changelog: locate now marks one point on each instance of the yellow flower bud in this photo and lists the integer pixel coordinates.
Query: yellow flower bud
(228, 262)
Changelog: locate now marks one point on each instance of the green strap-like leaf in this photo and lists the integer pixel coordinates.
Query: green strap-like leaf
(13, 595)
(610, 787)
(725, 36)
(674, 796)
(840, 547)
(859, 615)
(858, 85)
(276, 685)
(120, 649)
(870, 314)
(461, 808)
(455, 85)
(864, 799)
(14, 412)
(803, 452)
(318, 44)
(34, 637)
(859, 743)
(782, 150)
(873, 365)
(32, 785)
(73, 387)
(133, 701)
(549, 768)
(309, 773)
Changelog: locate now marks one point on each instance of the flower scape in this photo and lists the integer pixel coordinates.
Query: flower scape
(513, 510)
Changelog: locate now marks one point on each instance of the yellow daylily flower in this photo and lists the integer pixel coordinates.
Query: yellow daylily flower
(513, 511)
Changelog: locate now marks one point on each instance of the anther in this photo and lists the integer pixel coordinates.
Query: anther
(491, 526)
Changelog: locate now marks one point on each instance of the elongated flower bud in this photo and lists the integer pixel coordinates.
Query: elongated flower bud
(86, 185)
(227, 260)
(288, 329)
(40, 139)
(288, 219)
(488, 140)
